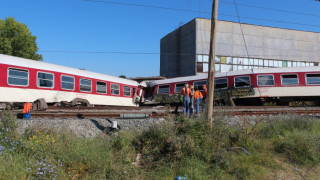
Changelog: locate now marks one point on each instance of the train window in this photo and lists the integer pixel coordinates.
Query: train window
(178, 87)
(199, 84)
(164, 89)
(313, 79)
(85, 85)
(289, 79)
(18, 77)
(115, 89)
(133, 91)
(67, 82)
(221, 83)
(126, 91)
(101, 87)
(45, 80)
(242, 81)
(265, 80)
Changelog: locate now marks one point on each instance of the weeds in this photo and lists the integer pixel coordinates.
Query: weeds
(8, 122)
(177, 147)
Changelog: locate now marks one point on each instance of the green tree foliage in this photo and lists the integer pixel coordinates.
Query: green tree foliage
(16, 40)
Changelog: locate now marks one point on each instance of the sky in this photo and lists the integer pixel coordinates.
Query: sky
(122, 37)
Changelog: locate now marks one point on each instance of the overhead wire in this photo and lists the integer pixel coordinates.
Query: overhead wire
(205, 12)
(270, 20)
(141, 5)
(272, 9)
(148, 53)
(177, 9)
(244, 39)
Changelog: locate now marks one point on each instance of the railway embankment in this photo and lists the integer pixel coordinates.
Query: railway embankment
(94, 127)
(237, 147)
(88, 127)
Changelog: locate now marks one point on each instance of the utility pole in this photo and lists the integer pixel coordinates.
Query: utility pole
(212, 55)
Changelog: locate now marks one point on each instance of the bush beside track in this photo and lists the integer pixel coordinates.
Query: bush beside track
(282, 147)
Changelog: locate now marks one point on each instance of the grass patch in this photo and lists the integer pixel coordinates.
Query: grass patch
(178, 147)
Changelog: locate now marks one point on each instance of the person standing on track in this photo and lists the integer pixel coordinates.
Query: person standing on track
(204, 93)
(191, 101)
(186, 99)
(27, 110)
(204, 99)
(197, 97)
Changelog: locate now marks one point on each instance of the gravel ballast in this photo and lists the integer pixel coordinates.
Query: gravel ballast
(86, 127)
(93, 127)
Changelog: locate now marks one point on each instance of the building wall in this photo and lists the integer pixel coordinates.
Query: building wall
(262, 42)
(183, 50)
(177, 51)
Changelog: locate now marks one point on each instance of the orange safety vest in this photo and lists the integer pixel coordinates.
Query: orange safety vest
(26, 108)
(205, 93)
(197, 94)
(183, 91)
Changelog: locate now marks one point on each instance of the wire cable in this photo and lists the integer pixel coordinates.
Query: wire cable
(142, 5)
(195, 11)
(244, 40)
(272, 9)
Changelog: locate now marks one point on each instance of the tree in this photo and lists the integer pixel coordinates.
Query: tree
(16, 40)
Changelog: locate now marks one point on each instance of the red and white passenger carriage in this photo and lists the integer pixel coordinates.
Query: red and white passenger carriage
(23, 80)
(277, 86)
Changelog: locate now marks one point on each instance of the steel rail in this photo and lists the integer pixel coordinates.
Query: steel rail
(156, 114)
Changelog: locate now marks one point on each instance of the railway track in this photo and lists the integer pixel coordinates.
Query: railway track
(163, 111)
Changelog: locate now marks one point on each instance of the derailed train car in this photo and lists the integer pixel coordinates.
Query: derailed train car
(23, 80)
(267, 86)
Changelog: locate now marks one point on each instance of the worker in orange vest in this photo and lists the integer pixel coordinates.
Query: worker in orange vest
(197, 97)
(192, 100)
(186, 99)
(204, 93)
(27, 110)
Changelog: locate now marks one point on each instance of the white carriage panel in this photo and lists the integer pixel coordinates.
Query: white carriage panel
(30, 95)
(17, 95)
(110, 100)
(287, 91)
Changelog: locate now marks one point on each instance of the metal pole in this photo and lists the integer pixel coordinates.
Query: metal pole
(212, 55)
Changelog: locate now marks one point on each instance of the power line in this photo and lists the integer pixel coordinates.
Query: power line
(154, 53)
(195, 11)
(244, 40)
(142, 5)
(272, 9)
(270, 20)
(101, 52)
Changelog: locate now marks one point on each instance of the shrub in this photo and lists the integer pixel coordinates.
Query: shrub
(300, 147)
(276, 127)
(8, 122)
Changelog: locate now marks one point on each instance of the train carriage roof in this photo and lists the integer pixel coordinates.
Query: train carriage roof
(22, 62)
(239, 73)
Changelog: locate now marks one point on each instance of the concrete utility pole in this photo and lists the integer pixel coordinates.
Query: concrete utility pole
(212, 55)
